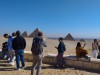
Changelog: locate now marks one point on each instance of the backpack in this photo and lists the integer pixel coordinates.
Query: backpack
(36, 49)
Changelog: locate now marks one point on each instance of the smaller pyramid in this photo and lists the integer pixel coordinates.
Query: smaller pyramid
(82, 40)
(24, 34)
(69, 37)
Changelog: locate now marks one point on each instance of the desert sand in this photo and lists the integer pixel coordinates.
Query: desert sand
(70, 46)
(5, 69)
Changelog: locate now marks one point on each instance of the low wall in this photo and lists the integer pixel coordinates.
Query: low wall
(72, 61)
(92, 64)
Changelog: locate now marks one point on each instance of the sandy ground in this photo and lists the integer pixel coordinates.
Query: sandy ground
(5, 69)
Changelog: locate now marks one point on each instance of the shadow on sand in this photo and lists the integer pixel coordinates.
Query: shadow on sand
(43, 67)
(7, 69)
(82, 69)
(68, 67)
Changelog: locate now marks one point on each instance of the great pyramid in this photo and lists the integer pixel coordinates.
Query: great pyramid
(24, 34)
(35, 33)
(69, 37)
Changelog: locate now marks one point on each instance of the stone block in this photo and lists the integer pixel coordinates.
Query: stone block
(26, 56)
(96, 66)
(69, 62)
(49, 60)
(70, 58)
(46, 60)
(30, 57)
(79, 64)
(87, 65)
(94, 60)
(52, 60)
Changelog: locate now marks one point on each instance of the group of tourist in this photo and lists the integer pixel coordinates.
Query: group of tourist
(81, 52)
(14, 49)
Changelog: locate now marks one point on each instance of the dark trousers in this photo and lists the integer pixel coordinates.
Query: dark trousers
(19, 57)
(4, 53)
(60, 60)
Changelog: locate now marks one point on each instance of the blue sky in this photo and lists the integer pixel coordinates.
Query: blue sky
(55, 18)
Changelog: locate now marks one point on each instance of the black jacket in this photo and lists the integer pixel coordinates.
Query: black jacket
(19, 43)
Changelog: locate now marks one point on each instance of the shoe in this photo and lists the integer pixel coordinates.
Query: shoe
(5, 57)
(14, 58)
(11, 63)
(23, 67)
(18, 69)
(8, 59)
(56, 66)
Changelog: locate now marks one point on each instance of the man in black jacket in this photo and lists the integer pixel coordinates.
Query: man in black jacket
(19, 45)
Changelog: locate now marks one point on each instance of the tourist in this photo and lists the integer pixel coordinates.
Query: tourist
(10, 49)
(19, 45)
(4, 50)
(95, 49)
(80, 51)
(37, 51)
(61, 49)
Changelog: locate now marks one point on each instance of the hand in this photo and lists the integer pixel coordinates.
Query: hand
(84, 45)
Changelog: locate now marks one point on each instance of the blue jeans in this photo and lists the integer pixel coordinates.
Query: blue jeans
(19, 56)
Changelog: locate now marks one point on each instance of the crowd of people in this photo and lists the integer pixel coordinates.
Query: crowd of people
(13, 50)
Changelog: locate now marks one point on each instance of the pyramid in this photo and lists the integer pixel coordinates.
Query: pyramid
(35, 33)
(82, 40)
(69, 37)
(24, 34)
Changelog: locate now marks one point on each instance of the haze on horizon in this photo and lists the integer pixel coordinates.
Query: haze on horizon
(56, 18)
